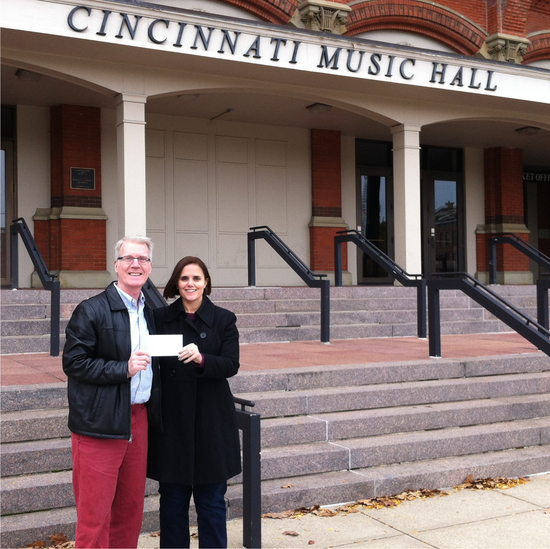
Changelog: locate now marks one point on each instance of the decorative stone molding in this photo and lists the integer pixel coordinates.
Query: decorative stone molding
(324, 16)
(504, 47)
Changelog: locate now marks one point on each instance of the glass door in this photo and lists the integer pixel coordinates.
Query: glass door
(7, 208)
(442, 225)
(376, 209)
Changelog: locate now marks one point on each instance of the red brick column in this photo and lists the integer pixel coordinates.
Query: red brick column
(504, 213)
(326, 182)
(71, 234)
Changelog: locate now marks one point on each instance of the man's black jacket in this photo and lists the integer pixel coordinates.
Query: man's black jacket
(95, 359)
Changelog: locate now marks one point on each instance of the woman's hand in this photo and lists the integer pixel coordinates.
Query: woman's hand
(190, 353)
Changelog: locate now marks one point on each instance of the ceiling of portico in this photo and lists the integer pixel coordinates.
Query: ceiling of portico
(282, 110)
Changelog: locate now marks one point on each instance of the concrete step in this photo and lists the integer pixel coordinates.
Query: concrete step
(358, 453)
(24, 458)
(54, 454)
(14, 345)
(322, 489)
(318, 401)
(341, 426)
(36, 492)
(321, 427)
(282, 314)
(22, 529)
(350, 375)
(385, 480)
(33, 425)
(45, 396)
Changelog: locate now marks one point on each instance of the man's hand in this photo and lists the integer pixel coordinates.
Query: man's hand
(138, 361)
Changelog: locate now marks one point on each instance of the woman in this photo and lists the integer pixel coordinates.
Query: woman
(198, 450)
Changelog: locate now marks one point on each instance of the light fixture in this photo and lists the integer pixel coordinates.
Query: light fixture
(528, 130)
(30, 76)
(221, 114)
(319, 107)
(188, 96)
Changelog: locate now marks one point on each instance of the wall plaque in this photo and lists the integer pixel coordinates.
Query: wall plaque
(83, 179)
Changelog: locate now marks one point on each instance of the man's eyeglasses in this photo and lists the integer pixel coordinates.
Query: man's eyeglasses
(129, 259)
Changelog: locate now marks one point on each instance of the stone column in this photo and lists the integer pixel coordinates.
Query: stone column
(406, 190)
(504, 213)
(131, 177)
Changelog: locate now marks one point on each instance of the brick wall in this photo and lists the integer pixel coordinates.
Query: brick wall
(75, 143)
(504, 186)
(326, 184)
(503, 205)
(321, 241)
(460, 24)
(73, 244)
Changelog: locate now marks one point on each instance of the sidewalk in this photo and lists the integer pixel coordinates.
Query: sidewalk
(517, 517)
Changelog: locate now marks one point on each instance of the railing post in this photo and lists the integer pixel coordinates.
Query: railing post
(325, 311)
(14, 256)
(251, 248)
(492, 260)
(421, 309)
(542, 303)
(249, 424)
(56, 315)
(337, 262)
(434, 321)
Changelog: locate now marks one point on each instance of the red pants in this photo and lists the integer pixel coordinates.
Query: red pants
(109, 486)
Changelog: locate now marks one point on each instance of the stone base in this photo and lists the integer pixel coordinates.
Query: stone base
(507, 277)
(78, 279)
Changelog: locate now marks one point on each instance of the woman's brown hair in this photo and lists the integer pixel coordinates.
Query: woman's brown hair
(171, 288)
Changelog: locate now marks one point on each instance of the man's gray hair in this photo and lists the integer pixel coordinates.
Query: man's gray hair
(138, 240)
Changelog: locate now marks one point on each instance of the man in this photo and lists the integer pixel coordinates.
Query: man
(112, 389)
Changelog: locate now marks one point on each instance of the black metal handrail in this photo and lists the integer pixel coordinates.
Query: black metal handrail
(389, 265)
(532, 331)
(249, 423)
(524, 247)
(48, 280)
(298, 266)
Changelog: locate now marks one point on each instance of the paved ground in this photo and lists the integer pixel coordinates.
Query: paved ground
(513, 518)
(28, 369)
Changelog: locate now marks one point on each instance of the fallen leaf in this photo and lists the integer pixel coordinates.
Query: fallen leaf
(290, 533)
(58, 539)
(310, 542)
(287, 486)
(155, 534)
(37, 543)
(501, 483)
(547, 512)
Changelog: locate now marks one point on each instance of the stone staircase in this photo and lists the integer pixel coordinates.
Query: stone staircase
(330, 434)
(280, 314)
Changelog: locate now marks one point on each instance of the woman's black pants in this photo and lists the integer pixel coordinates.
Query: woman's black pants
(211, 514)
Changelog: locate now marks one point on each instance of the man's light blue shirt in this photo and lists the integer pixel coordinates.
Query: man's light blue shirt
(143, 380)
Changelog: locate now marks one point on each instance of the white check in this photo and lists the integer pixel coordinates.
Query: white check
(164, 345)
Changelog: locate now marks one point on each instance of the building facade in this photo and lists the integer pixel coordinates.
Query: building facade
(423, 125)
